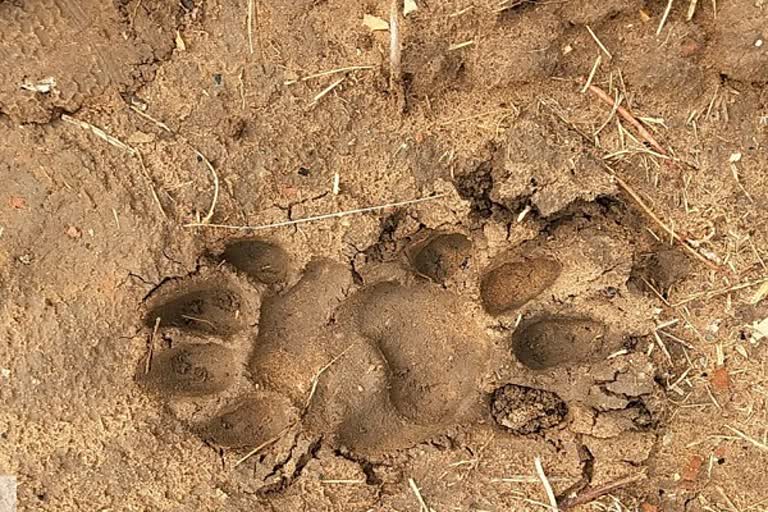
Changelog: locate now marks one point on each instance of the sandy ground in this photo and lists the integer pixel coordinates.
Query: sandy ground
(571, 269)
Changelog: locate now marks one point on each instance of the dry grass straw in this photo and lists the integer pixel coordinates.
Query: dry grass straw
(249, 25)
(316, 218)
(710, 294)
(545, 482)
(327, 90)
(114, 141)
(320, 74)
(592, 74)
(98, 132)
(745, 437)
(691, 10)
(395, 48)
(316, 378)
(664, 17)
(423, 507)
(214, 175)
(599, 43)
(151, 346)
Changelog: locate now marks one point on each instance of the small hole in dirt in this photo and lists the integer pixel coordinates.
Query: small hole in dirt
(524, 410)
(442, 256)
(262, 261)
(476, 187)
(371, 478)
(303, 171)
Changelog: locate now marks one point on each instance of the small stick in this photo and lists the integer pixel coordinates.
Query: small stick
(148, 117)
(263, 445)
(664, 17)
(99, 133)
(215, 176)
(151, 184)
(329, 72)
(423, 507)
(249, 22)
(151, 349)
(691, 10)
(748, 439)
(722, 291)
(325, 91)
(590, 495)
(599, 43)
(459, 46)
(592, 74)
(316, 217)
(394, 44)
(546, 484)
(629, 118)
(624, 186)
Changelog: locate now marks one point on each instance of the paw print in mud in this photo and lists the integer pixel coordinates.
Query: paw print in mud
(257, 349)
(260, 348)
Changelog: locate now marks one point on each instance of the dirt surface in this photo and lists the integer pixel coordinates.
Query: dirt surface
(574, 270)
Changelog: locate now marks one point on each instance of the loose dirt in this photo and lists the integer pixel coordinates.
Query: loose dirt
(574, 271)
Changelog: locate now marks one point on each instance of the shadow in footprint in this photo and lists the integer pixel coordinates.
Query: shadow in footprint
(553, 341)
(265, 262)
(209, 310)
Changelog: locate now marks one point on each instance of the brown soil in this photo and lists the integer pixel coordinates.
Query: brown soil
(156, 356)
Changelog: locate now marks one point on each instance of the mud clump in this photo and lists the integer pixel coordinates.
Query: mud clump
(190, 370)
(524, 410)
(550, 342)
(262, 261)
(512, 284)
(443, 256)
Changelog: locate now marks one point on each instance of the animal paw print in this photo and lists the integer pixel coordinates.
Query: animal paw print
(256, 348)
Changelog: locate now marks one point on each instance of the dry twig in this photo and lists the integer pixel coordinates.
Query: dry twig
(591, 494)
(624, 186)
(624, 113)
